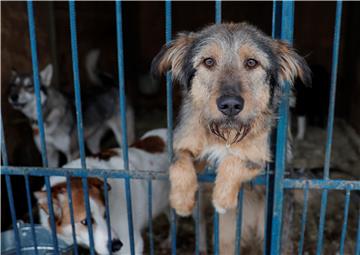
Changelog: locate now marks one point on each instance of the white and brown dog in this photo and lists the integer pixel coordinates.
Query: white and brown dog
(148, 154)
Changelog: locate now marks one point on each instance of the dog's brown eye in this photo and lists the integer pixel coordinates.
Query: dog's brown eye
(209, 62)
(251, 63)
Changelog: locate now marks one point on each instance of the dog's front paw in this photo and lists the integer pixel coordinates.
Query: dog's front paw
(224, 199)
(183, 202)
(183, 188)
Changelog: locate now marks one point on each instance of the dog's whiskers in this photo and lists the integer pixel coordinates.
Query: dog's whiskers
(226, 132)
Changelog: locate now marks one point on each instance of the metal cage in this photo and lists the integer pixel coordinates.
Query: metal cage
(273, 177)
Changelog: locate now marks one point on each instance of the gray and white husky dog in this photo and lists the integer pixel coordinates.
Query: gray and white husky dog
(100, 107)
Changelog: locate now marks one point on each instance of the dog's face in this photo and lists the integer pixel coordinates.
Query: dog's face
(231, 75)
(22, 95)
(63, 218)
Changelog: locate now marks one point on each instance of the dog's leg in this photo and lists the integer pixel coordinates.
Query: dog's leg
(115, 125)
(93, 141)
(183, 184)
(231, 173)
(53, 156)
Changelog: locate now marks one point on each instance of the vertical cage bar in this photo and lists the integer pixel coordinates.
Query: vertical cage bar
(334, 68)
(169, 115)
(357, 248)
(107, 212)
(267, 214)
(344, 227)
(79, 119)
(75, 64)
(129, 213)
(276, 28)
(320, 236)
(287, 30)
(120, 52)
(51, 215)
(335, 59)
(303, 219)
(3, 144)
(31, 217)
(35, 67)
(216, 233)
(197, 222)
(217, 11)
(169, 89)
(13, 214)
(71, 210)
(239, 213)
(88, 214)
(151, 238)
(121, 73)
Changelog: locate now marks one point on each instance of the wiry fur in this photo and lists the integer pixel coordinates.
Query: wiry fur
(232, 143)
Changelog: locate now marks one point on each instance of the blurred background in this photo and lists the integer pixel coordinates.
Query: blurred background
(144, 34)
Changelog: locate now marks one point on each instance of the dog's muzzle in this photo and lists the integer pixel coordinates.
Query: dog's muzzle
(230, 105)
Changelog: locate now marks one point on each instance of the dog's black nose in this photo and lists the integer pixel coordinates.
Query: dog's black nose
(230, 105)
(116, 245)
(14, 97)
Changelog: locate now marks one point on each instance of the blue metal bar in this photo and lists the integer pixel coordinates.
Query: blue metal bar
(120, 51)
(287, 25)
(216, 233)
(334, 67)
(3, 145)
(173, 231)
(344, 228)
(330, 123)
(75, 59)
(13, 214)
(71, 209)
(320, 236)
(52, 215)
(357, 248)
(88, 215)
(303, 220)
(143, 174)
(169, 116)
(276, 19)
(34, 59)
(151, 238)
(121, 72)
(107, 212)
(29, 204)
(287, 29)
(239, 214)
(270, 179)
(321, 184)
(169, 88)
(217, 11)
(197, 222)
(129, 213)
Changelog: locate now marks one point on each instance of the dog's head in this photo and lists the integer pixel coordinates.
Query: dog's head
(63, 218)
(22, 96)
(231, 75)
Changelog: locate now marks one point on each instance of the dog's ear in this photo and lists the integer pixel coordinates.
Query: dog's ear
(172, 57)
(46, 75)
(42, 200)
(292, 65)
